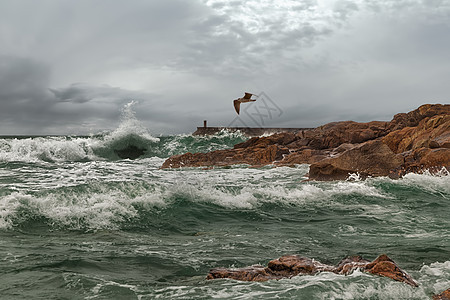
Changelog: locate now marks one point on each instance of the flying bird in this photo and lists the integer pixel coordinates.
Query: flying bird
(247, 98)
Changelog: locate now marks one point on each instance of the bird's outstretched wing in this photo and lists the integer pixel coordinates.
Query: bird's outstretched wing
(247, 96)
(237, 105)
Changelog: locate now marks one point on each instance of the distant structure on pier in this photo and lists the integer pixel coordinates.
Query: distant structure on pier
(248, 131)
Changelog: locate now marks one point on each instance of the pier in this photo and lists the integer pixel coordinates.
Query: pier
(248, 131)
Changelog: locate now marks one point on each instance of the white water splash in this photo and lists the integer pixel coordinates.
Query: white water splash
(67, 148)
(130, 125)
(101, 208)
(435, 183)
(56, 149)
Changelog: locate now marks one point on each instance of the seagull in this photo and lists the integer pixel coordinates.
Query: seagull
(247, 98)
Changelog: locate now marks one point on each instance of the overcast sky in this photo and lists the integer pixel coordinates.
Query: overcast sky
(68, 67)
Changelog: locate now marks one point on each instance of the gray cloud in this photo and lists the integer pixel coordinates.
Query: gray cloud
(29, 106)
(81, 93)
(68, 67)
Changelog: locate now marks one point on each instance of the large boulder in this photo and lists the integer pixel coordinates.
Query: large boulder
(282, 138)
(334, 134)
(372, 158)
(303, 156)
(422, 159)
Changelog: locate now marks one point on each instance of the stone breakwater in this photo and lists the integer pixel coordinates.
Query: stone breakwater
(248, 131)
(411, 142)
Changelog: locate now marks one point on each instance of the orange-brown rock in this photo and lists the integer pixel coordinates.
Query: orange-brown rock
(334, 134)
(422, 159)
(445, 295)
(384, 266)
(305, 156)
(372, 158)
(442, 141)
(434, 130)
(283, 138)
(252, 156)
(412, 118)
(292, 265)
(252, 273)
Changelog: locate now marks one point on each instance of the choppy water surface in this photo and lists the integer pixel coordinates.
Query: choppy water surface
(78, 222)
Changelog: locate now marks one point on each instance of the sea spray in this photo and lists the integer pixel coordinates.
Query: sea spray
(49, 149)
(130, 132)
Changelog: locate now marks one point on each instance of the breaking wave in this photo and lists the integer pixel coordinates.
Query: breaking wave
(119, 198)
(130, 140)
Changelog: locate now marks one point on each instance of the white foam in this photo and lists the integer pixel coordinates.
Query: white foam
(435, 183)
(61, 149)
(101, 208)
(183, 143)
(326, 286)
(250, 188)
(49, 148)
(436, 275)
(130, 125)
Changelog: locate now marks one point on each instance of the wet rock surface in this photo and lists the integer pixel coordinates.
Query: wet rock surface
(410, 142)
(293, 265)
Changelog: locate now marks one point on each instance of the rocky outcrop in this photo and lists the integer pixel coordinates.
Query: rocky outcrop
(410, 142)
(293, 265)
(445, 295)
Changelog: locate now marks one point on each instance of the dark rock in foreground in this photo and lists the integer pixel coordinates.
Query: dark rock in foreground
(292, 265)
(410, 142)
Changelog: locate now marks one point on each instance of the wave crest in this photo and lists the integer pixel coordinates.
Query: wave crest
(130, 140)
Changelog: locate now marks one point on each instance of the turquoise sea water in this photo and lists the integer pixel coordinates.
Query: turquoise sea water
(78, 222)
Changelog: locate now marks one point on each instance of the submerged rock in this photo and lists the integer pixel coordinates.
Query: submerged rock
(293, 265)
(410, 142)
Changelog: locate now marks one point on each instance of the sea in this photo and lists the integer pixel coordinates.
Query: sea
(79, 222)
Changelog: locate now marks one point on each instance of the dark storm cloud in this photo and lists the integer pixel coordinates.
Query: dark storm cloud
(23, 92)
(81, 93)
(29, 106)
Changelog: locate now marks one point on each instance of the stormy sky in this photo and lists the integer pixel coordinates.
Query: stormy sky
(69, 67)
